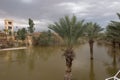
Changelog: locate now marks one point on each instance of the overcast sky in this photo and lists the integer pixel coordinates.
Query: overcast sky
(44, 12)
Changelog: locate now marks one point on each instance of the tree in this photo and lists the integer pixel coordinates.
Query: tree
(69, 29)
(46, 38)
(113, 32)
(31, 28)
(21, 34)
(92, 33)
(8, 32)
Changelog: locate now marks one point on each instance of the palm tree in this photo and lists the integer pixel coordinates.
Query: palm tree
(92, 33)
(113, 32)
(110, 34)
(69, 30)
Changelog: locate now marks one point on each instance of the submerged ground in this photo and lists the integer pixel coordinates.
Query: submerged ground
(47, 63)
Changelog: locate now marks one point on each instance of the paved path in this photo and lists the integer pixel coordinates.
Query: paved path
(13, 48)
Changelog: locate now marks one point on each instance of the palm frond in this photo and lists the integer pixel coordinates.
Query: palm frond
(69, 29)
(92, 30)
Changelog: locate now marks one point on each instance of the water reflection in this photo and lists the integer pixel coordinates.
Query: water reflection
(36, 54)
(32, 64)
(113, 67)
(92, 74)
(44, 53)
(29, 56)
(46, 63)
(20, 56)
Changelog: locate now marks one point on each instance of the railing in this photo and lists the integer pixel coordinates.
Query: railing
(116, 77)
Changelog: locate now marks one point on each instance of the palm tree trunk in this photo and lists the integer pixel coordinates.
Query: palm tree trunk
(113, 44)
(68, 75)
(69, 56)
(114, 56)
(91, 42)
(119, 45)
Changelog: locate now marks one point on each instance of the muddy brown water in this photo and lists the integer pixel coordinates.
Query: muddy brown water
(47, 63)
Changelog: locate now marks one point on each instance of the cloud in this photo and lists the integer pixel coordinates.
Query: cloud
(44, 12)
(27, 1)
(40, 25)
(76, 7)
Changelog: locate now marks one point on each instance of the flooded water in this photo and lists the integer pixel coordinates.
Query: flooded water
(47, 63)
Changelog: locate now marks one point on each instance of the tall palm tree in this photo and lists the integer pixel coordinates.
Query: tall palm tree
(69, 29)
(92, 33)
(113, 32)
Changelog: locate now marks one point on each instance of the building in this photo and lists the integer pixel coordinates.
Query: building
(9, 27)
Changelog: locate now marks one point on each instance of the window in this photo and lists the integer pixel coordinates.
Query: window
(10, 23)
(9, 27)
